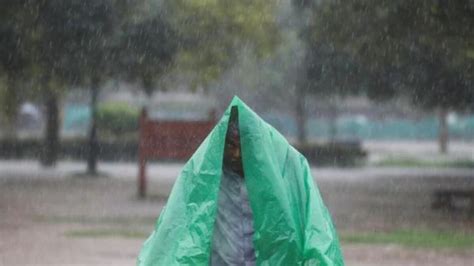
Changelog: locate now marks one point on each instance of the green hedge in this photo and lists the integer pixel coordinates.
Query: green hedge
(333, 154)
(109, 150)
(117, 119)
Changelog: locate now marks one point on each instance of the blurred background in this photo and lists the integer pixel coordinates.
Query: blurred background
(377, 94)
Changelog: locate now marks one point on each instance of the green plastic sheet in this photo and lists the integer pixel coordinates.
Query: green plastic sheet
(292, 225)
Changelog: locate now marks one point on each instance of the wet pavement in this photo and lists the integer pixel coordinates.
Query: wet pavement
(60, 216)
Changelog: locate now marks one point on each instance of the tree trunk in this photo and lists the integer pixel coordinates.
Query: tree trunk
(443, 134)
(148, 87)
(10, 104)
(93, 142)
(300, 112)
(51, 140)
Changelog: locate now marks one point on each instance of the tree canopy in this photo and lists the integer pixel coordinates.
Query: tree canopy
(213, 33)
(422, 49)
(147, 50)
(80, 43)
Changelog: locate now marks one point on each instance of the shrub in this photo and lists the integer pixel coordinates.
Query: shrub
(117, 118)
(347, 154)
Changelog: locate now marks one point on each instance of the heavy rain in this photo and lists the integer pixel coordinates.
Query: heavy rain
(237, 132)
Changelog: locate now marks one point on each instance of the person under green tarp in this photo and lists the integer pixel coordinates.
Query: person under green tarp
(233, 229)
(246, 197)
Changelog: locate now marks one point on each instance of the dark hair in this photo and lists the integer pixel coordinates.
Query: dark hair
(233, 127)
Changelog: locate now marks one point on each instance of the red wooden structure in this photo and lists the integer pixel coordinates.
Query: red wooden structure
(168, 139)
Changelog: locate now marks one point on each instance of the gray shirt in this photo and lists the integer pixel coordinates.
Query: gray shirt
(233, 231)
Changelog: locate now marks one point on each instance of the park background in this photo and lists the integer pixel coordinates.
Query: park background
(378, 95)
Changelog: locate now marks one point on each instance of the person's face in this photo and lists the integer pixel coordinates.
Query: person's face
(232, 150)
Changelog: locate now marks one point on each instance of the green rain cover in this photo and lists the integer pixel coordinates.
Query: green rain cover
(292, 225)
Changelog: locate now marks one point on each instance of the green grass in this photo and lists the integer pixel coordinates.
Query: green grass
(101, 233)
(414, 162)
(413, 238)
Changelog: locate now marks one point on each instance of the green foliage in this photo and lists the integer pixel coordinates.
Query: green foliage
(213, 32)
(334, 73)
(146, 50)
(13, 54)
(117, 118)
(415, 48)
(14, 61)
(79, 42)
(73, 39)
(413, 238)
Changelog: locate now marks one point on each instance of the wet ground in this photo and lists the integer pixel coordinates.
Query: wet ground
(60, 217)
